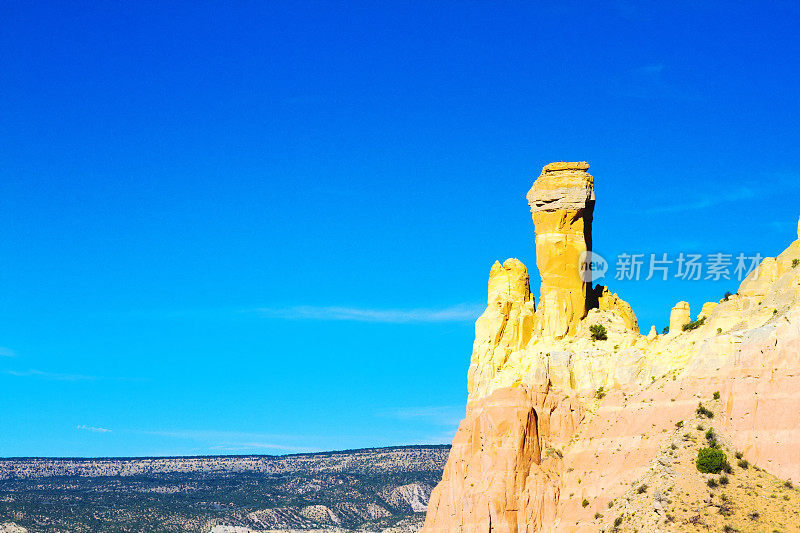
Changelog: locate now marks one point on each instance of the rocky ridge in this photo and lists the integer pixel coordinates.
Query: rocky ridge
(379, 489)
(559, 424)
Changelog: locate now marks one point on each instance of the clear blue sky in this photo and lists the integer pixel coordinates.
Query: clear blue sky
(264, 227)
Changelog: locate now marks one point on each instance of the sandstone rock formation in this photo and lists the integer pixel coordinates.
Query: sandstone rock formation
(679, 317)
(608, 301)
(562, 204)
(558, 425)
(708, 307)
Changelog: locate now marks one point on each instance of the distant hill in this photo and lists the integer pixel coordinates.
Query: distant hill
(374, 489)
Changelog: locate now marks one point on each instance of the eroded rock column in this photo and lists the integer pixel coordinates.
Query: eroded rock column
(562, 204)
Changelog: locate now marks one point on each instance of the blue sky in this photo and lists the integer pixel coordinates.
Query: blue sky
(266, 227)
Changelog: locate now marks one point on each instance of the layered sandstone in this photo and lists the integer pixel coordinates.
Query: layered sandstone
(558, 425)
(562, 203)
(680, 315)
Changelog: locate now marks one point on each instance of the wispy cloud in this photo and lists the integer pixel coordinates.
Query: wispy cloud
(7, 352)
(93, 429)
(59, 376)
(210, 434)
(704, 202)
(251, 446)
(233, 441)
(54, 376)
(456, 313)
(446, 415)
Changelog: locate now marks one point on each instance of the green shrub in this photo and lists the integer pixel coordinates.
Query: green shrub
(679, 424)
(598, 332)
(719, 330)
(665, 330)
(795, 262)
(702, 411)
(724, 480)
(727, 468)
(716, 395)
(642, 489)
(743, 463)
(585, 503)
(712, 483)
(600, 393)
(710, 460)
(728, 294)
(694, 325)
(618, 521)
(597, 516)
(788, 484)
(738, 455)
(710, 434)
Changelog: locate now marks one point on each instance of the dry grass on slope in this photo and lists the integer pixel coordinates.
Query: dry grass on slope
(674, 496)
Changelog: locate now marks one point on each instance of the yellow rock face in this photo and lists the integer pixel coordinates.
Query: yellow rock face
(708, 307)
(678, 317)
(609, 301)
(509, 282)
(505, 327)
(562, 203)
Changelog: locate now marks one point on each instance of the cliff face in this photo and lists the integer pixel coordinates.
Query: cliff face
(559, 425)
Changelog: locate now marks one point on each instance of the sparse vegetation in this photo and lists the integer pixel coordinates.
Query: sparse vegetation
(719, 330)
(712, 483)
(738, 455)
(597, 516)
(703, 411)
(723, 480)
(600, 393)
(710, 460)
(665, 330)
(550, 451)
(742, 463)
(694, 325)
(642, 489)
(795, 262)
(618, 521)
(727, 296)
(716, 395)
(711, 438)
(679, 424)
(598, 332)
(585, 503)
